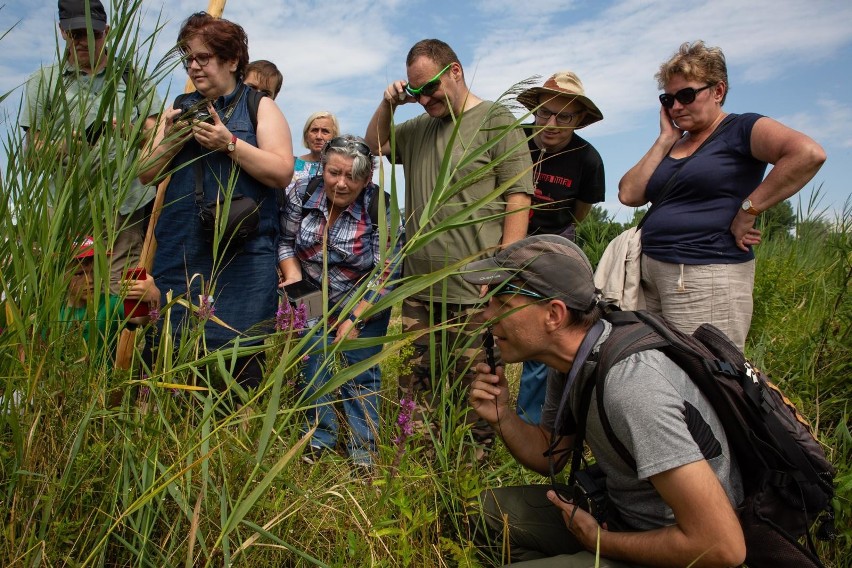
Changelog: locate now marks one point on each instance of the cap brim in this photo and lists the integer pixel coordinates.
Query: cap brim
(80, 23)
(486, 272)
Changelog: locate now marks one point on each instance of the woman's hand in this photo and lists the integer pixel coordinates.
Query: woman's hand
(742, 228)
(144, 290)
(669, 133)
(215, 136)
(346, 330)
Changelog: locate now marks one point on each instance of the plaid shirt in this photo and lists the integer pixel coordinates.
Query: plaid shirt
(353, 243)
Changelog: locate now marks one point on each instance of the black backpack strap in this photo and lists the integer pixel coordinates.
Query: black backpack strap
(373, 209)
(254, 97)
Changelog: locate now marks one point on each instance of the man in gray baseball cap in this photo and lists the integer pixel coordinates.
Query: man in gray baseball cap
(677, 506)
(72, 15)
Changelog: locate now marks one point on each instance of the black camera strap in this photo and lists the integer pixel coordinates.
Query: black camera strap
(582, 355)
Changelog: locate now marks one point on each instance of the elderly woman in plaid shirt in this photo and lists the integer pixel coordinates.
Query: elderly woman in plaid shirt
(328, 235)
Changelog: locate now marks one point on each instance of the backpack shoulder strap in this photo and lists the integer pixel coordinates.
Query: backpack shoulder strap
(254, 97)
(313, 184)
(373, 209)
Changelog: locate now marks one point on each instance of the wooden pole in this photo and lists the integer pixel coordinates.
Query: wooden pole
(127, 339)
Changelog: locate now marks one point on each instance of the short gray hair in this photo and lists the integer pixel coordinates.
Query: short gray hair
(352, 147)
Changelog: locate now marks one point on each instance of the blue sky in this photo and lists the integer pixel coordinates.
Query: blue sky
(788, 59)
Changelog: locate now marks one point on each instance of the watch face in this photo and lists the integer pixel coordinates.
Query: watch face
(746, 204)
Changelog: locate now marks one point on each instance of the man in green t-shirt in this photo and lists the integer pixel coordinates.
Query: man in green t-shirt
(82, 92)
(499, 182)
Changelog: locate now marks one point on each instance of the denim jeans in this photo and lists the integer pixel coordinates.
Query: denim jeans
(360, 395)
(532, 390)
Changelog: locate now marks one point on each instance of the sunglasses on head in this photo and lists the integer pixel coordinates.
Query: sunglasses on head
(429, 87)
(201, 58)
(683, 96)
(342, 143)
(508, 288)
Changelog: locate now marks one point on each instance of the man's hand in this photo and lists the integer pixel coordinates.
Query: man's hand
(396, 94)
(581, 524)
(489, 393)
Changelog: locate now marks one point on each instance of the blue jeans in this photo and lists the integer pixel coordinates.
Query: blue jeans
(360, 395)
(532, 390)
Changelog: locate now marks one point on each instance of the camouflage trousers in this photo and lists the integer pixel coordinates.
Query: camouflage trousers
(441, 368)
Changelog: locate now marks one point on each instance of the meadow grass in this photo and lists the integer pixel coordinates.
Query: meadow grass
(179, 466)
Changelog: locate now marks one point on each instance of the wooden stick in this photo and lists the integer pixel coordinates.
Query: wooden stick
(127, 339)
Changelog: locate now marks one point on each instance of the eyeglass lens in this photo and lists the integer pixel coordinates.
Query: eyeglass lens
(201, 58)
(561, 118)
(684, 96)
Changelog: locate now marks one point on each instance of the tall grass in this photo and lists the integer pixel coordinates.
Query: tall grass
(105, 467)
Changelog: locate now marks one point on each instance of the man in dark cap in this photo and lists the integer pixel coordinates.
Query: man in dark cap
(81, 93)
(676, 508)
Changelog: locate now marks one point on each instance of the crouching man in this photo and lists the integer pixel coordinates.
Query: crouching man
(677, 509)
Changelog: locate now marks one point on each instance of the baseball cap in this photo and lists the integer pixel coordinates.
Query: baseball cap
(84, 248)
(551, 265)
(72, 15)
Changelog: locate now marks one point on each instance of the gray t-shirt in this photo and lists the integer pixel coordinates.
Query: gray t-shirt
(657, 412)
(88, 109)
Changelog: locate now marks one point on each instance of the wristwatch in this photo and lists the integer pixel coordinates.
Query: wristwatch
(232, 145)
(748, 208)
(358, 324)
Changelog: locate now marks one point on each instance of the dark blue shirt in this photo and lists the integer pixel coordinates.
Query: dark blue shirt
(692, 224)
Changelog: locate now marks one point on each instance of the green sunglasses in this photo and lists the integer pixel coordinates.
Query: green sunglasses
(429, 87)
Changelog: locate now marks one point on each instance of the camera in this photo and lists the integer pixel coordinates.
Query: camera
(589, 492)
(192, 113)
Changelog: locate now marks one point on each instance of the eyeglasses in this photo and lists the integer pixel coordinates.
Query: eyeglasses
(78, 35)
(507, 288)
(343, 143)
(562, 119)
(201, 58)
(683, 96)
(429, 87)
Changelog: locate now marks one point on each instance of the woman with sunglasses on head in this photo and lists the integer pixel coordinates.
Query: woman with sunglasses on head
(214, 152)
(330, 234)
(697, 261)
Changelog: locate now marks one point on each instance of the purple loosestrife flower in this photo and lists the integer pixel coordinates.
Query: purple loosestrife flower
(206, 309)
(406, 427)
(154, 315)
(300, 317)
(283, 316)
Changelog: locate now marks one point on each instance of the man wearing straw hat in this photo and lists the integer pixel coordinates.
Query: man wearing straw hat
(569, 178)
(85, 93)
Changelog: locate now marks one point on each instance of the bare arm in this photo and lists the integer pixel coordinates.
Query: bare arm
(631, 188)
(517, 217)
(489, 397)
(378, 130)
(796, 158)
(707, 532)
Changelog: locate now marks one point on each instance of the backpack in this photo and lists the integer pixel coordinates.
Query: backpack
(787, 479)
(372, 209)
